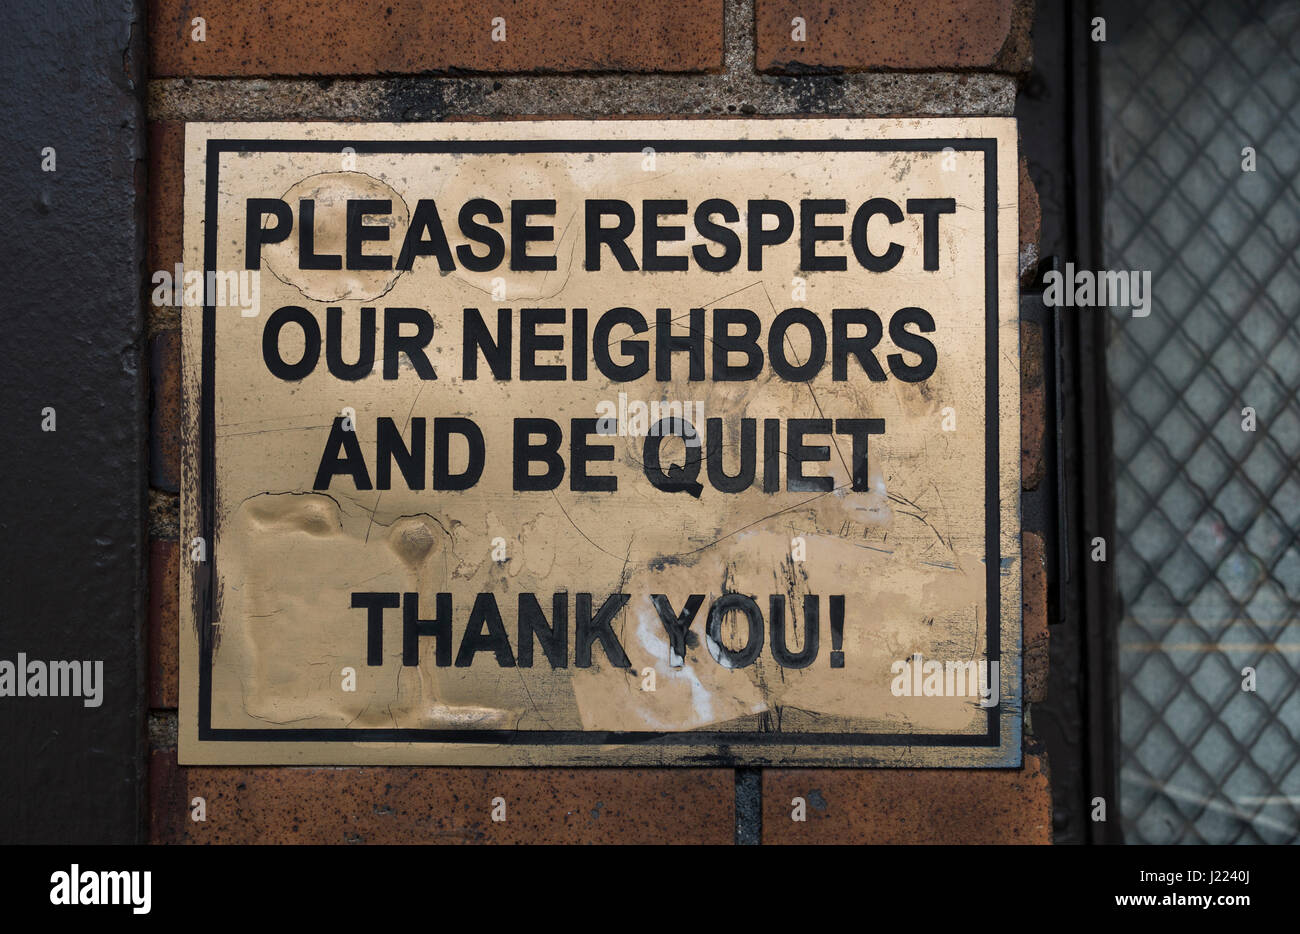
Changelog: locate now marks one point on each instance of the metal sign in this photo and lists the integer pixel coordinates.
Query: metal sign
(618, 442)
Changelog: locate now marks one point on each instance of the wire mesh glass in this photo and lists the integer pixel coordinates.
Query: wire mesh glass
(1206, 559)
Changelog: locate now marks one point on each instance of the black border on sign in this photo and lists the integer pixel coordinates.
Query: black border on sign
(205, 582)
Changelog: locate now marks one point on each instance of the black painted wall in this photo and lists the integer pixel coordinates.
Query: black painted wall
(72, 501)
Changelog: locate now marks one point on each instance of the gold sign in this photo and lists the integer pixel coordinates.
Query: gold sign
(617, 442)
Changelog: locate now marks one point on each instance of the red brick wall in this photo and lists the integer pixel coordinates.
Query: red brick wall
(371, 40)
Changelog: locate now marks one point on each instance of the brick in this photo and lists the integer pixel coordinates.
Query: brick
(1017, 55)
(378, 37)
(881, 34)
(165, 411)
(1033, 406)
(164, 622)
(166, 194)
(168, 804)
(452, 805)
(1031, 219)
(164, 514)
(1033, 599)
(903, 806)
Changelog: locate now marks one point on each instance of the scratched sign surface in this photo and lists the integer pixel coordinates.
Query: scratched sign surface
(608, 442)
